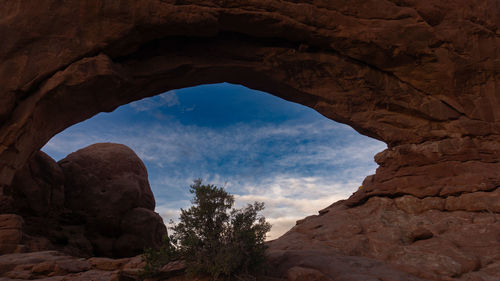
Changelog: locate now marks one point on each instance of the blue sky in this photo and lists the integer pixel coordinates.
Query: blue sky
(258, 146)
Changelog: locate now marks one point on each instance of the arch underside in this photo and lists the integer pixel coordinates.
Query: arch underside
(422, 76)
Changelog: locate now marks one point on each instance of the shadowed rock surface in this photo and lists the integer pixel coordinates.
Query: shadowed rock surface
(96, 201)
(37, 194)
(422, 76)
(108, 185)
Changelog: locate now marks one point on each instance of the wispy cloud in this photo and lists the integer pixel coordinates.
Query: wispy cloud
(287, 199)
(295, 168)
(167, 99)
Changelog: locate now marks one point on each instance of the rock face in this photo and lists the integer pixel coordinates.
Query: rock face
(422, 76)
(106, 180)
(108, 184)
(37, 194)
(38, 188)
(96, 201)
(11, 231)
(430, 239)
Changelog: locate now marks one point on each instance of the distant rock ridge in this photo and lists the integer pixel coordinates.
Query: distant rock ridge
(95, 202)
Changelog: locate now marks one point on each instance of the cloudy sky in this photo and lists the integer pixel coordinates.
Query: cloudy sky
(258, 146)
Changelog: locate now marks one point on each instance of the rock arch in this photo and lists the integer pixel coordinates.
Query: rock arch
(421, 76)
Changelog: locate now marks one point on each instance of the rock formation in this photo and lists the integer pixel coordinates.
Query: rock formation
(96, 201)
(108, 184)
(52, 265)
(431, 238)
(10, 233)
(37, 195)
(422, 76)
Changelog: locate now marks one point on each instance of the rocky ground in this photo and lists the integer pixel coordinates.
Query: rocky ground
(53, 265)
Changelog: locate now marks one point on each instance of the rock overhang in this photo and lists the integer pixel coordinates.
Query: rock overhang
(421, 76)
(415, 75)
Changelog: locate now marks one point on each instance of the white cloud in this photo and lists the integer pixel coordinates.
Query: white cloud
(287, 199)
(295, 168)
(168, 99)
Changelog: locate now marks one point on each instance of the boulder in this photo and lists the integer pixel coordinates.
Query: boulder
(108, 185)
(96, 201)
(140, 228)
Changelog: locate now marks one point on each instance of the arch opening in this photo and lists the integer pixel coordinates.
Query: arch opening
(259, 146)
(420, 75)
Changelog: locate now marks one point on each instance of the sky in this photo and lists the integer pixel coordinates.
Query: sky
(258, 146)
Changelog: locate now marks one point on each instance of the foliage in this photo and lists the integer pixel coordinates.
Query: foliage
(156, 258)
(214, 238)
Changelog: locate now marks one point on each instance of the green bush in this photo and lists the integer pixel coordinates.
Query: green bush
(156, 258)
(215, 239)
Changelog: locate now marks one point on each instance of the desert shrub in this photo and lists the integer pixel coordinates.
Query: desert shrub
(154, 259)
(215, 239)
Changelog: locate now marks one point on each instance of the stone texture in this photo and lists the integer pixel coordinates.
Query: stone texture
(39, 186)
(53, 265)
(37, 195)
(422, 76)
(11, 232)
(119, 222)
(108, 185)
(418, 75)
(425, 241)
(56, 266)
(106, 180)
(298, 273)
(140, 228)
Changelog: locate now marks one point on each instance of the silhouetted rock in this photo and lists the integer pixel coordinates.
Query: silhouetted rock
(39, 186)
(37, 195)
(98, 203)
(108, 184)
(140, 228)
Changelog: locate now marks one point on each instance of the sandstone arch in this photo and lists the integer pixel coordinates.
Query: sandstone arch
(421, 76)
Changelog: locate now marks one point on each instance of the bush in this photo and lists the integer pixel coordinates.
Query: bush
(215, 239)
(156, 258)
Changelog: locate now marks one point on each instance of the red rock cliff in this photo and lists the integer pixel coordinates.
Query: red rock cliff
(422, 76)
